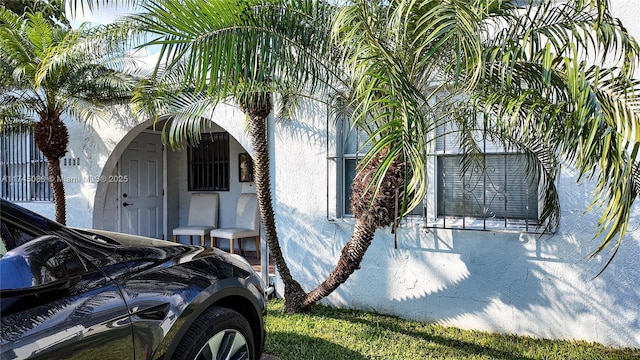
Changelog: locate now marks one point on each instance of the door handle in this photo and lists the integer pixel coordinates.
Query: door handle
(125, 204)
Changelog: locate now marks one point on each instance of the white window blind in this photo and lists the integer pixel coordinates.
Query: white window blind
(495, 192)
(500, 190)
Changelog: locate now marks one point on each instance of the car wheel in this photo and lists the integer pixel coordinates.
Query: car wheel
(219, 333)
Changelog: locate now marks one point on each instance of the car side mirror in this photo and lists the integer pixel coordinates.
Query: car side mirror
(46, 261)
(41, 270)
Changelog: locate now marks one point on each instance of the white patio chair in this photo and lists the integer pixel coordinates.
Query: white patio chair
(203, 217)
(247, 225)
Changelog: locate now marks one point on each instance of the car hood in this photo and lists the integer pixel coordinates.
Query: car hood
(128, 239)
(136, 254)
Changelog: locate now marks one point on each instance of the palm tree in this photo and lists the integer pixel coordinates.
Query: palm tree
(246, 53)
(421, 64)
(48, 70)
(407, 54)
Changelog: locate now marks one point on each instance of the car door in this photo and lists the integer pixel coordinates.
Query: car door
(57, 305)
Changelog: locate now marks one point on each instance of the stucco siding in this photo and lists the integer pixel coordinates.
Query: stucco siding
(542, 286)
(498, 281)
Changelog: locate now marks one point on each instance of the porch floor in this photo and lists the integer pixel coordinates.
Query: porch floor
(255, 262)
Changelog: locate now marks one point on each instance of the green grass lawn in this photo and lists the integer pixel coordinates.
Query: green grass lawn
(332, 334)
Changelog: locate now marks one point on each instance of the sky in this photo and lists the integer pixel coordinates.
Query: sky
(106, 14)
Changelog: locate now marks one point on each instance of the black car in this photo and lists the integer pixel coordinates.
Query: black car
(88, 294)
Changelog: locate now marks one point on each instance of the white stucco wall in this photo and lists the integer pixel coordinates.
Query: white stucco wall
(495, 281)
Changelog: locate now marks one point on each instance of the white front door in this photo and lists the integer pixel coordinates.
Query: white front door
(141, 187)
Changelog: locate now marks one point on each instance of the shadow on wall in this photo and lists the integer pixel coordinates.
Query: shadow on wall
(107, 196)
(313, 130)
(505, 282)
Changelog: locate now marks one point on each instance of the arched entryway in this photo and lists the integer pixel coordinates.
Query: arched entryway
(165, 177)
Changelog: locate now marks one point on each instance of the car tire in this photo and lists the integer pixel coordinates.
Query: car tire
(219, 333)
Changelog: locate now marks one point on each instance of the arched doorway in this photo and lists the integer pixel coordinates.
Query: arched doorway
(139, 152)
(109, 210)
(109, 198)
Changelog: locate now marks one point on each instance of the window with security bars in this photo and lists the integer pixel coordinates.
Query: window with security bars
(208, 163)
(496, 191)
(353, 145)
(23, 168)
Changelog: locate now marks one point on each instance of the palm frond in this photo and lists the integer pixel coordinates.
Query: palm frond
(241, 44)
(536, 81)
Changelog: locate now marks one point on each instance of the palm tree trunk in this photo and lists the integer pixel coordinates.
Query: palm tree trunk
(368, 216)
(57, 187)
(372, 210)
(52, 138)
(350, 260)
(293, 292)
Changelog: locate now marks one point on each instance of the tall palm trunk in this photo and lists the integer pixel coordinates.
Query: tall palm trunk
(258, 110)
(57, 187)
(372, 210)
(350, 259)
(52, 137)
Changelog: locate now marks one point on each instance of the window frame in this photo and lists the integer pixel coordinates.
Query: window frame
(338, 205)
(480, 213)
(439, 148)
(344, 174)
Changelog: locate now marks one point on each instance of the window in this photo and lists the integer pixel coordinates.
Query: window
(352, 152)
(23, 168)
(351, 146)
(342, 166)
(208, 163)
(496, 192)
